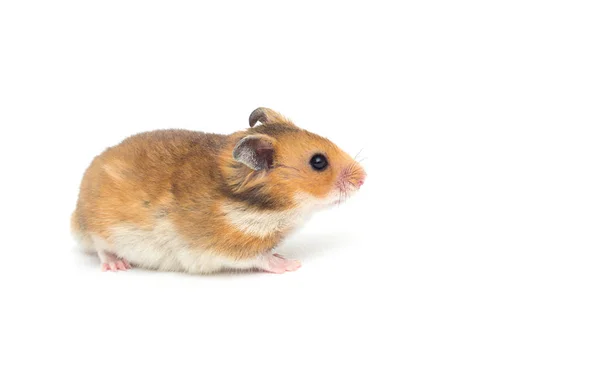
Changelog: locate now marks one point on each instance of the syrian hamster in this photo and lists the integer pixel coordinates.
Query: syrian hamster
(179, 200)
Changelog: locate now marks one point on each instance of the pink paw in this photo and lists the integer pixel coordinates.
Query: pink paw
(111, 262)
(278, 264)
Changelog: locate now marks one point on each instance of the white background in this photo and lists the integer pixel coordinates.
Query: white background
(474, 243)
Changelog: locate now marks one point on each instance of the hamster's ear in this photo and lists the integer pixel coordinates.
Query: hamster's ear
(267, 116)
(255, 151)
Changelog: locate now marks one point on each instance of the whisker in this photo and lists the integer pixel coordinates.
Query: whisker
(357, 154)
(286, 167)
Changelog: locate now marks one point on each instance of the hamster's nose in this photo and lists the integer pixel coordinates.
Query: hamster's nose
(361, 180)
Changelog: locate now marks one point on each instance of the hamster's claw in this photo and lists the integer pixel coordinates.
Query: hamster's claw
(111, 262)
(278, 264)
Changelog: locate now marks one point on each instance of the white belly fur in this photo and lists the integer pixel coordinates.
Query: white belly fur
(163, 249)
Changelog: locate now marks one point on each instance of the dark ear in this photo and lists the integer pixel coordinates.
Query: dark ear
(255, 151)
(267, 116)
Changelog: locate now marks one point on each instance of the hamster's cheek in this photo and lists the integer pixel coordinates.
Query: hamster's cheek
(318, 185)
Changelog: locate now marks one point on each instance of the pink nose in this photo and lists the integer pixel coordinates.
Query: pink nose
(360, 183)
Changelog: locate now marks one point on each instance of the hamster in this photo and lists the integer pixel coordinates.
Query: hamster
(193, 202)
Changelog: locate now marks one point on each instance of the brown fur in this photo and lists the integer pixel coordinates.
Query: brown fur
(186, 177)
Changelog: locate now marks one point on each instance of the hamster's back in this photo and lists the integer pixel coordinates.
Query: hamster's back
(132, 181)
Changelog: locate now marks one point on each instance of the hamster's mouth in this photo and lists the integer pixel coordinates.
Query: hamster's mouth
(337, 196)
(344, 193)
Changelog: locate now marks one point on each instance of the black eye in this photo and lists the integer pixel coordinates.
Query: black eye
(318, 162)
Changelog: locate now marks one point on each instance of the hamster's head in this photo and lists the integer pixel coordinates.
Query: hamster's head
(282, 164)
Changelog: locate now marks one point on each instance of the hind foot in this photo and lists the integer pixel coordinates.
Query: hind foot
(111, 262)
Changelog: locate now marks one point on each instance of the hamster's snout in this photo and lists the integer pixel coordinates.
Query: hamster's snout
(352, 176)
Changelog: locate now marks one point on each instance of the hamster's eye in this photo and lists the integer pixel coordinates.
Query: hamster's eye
(319, 162)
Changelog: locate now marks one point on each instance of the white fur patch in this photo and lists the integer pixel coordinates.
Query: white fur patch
(262, 223)
(257, 222)
(161, 248)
